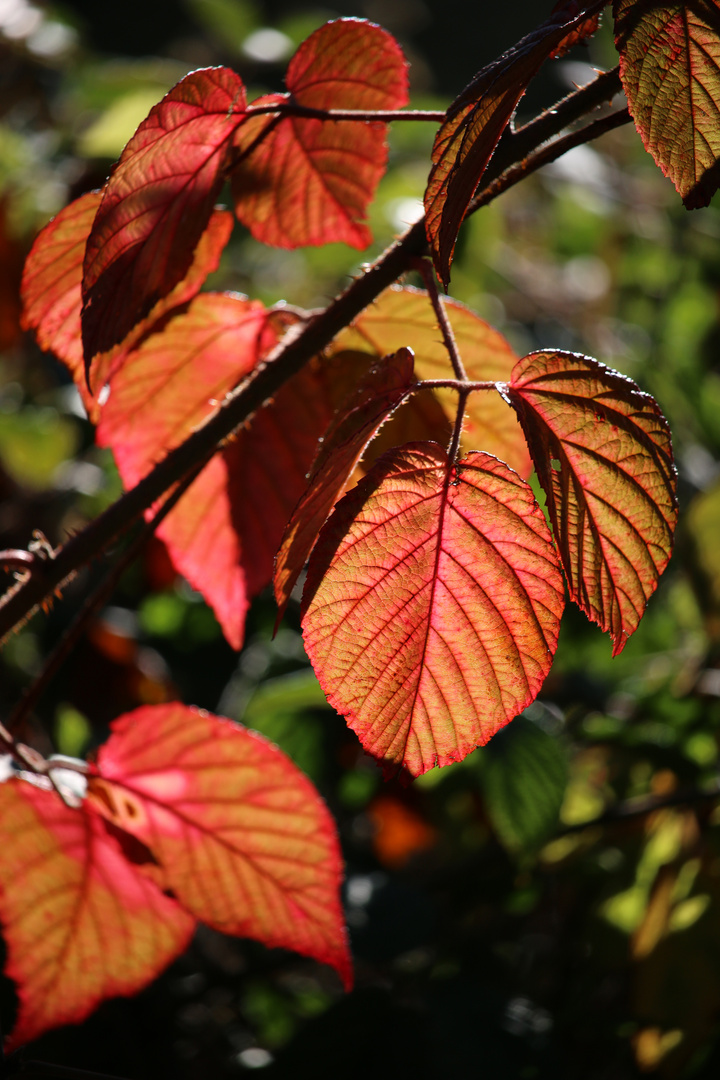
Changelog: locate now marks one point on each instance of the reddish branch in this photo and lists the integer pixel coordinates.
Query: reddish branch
(519, 154)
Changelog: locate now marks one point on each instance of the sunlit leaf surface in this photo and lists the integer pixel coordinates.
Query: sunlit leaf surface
(81, 922)
(375, 397)
(670, 71)
(603, 455)
(52, 293)
(243, 840)
(310, 182)
(403, 316)
(157, 203)
(432, 605)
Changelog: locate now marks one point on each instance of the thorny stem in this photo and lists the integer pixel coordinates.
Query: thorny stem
(290, 108)
(456, 384)
(551, 152)
(428, 275)
(287, 358)
(516, 145)
(457, 429)
(99, 595)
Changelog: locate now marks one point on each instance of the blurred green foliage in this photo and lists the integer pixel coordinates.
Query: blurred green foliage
(519, 915)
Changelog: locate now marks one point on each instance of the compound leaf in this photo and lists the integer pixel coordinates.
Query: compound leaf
(670, 71)
(432, 605)
(52, 291)
(603, 455)
(242, 838)
(81, 922)
(157, 203)
(403, 316)
(310, 181)
(473, 125)
(353, 426)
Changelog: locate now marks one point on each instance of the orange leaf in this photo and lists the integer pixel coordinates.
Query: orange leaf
(157, 203)
(243, 840)
(404, 316)
(225, 530)
(311, 181)
(432, 605)
(52, 299)
(354, 425)
(165, 389)
(81, 923)
(670, 71)
(603, 455)
(474, 123)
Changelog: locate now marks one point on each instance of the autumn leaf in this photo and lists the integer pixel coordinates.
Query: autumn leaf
(403, 316)
(353, 426)
(224, 532)
(157, 203)
(472, 128)
(311, 181)
(80, 922)
(432, 605)
(52, 291)
(670, 71)
(603, 455)
(583, 31)
(242, 838)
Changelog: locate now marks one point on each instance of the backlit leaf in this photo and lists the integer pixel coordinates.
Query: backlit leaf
(311, 181)
(51, 286)
(52, 294)
(352, 428)
(603, 455)
(432, 605)
(163, 391)
(585, 29)
(157, 203)
(81, 923)
(474, 123)
(403, 316)
(224, 532)
(242, 837)
(524, 777)
(670, 71)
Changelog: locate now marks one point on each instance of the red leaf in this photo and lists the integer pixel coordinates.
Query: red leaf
(157, 204)
(603, 454)
(165, 389)
(311, 181)
(51, 286)
(585, 30)
(474, 123)
(404, 316)
(670, 71)
(243, 839)
(81, 923)
(51, 291)
(352, 428)
(432, 605)
(225, 530)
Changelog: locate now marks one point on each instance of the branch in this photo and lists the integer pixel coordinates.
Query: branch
(428, 275)
(551, 152)
(20, 602)
(365, 116)
(99, 595)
